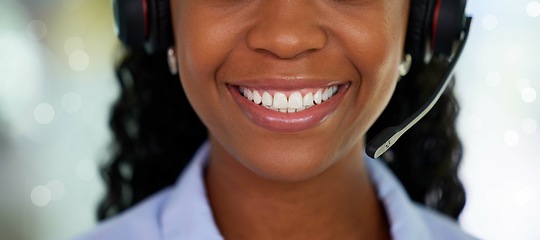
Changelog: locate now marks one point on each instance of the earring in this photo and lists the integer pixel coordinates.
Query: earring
(405, 65)
(171, 59)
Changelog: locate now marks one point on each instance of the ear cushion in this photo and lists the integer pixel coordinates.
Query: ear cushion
(160, 35)
(448, 26)
(129, 18)
(419, 32)
(434, 26)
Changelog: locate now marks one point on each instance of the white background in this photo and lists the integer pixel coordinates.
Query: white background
(56, 87)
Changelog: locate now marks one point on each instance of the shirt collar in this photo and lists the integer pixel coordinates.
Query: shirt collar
(405, 219)
(187, 213)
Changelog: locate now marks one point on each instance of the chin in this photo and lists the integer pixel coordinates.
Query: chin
(288, 166)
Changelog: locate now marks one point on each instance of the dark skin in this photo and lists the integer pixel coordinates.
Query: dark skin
(337, 204)
(288, 182)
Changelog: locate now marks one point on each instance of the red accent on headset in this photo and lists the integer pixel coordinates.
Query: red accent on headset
(145, 15)
(435, 23)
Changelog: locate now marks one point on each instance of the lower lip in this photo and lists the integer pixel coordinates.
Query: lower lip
(287, 122)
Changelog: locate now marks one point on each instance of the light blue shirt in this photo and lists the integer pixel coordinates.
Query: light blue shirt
(182, 211)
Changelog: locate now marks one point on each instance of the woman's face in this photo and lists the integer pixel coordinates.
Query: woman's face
(289, 87)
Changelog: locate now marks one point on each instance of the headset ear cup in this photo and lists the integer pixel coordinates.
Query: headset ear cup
(418, 37)
(129, 21)
(448, 25)
(160, 31)
(434, 26)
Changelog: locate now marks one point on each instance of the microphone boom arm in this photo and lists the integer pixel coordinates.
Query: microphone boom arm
(384, 140)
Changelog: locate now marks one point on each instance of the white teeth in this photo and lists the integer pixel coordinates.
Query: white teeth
(294, 103)
(317, 97)
(326, 94)
(280, 100)
(267, 99)
(257, 99)
(247, 93)
(295, 100)
(308, 100)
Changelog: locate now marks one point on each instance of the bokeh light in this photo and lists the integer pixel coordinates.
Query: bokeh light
(40, 196)
(73, 44)
(36, 30)
(529, 126)
(490, 22)
(511, 138)
(533, 9)
(44, 113)
(528, 95)
(57, 86)
(79, 60)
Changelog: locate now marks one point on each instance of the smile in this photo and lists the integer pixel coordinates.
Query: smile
(289, 102)
(288, 109)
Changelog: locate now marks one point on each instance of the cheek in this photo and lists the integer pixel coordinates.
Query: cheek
(201, 45)
(378, 85)
(377, 62)
(198, 48)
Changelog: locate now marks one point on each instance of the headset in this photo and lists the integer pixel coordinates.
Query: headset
(144, 23)
(436, 29)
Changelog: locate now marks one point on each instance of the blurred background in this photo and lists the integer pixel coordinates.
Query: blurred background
(57, 85)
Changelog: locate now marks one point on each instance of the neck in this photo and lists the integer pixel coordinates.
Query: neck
(339, 203)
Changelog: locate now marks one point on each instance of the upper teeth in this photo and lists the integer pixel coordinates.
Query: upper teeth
(294, 103)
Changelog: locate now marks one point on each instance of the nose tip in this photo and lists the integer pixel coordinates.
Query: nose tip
(286, 45)
(287, 35)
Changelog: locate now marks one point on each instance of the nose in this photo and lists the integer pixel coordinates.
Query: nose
(286, 29)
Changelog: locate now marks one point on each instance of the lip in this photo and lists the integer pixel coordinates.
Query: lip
(288, 122)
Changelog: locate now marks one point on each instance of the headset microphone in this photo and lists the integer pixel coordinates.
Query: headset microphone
(384, 140)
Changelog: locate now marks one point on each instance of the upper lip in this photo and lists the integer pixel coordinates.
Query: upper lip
(286, 83)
